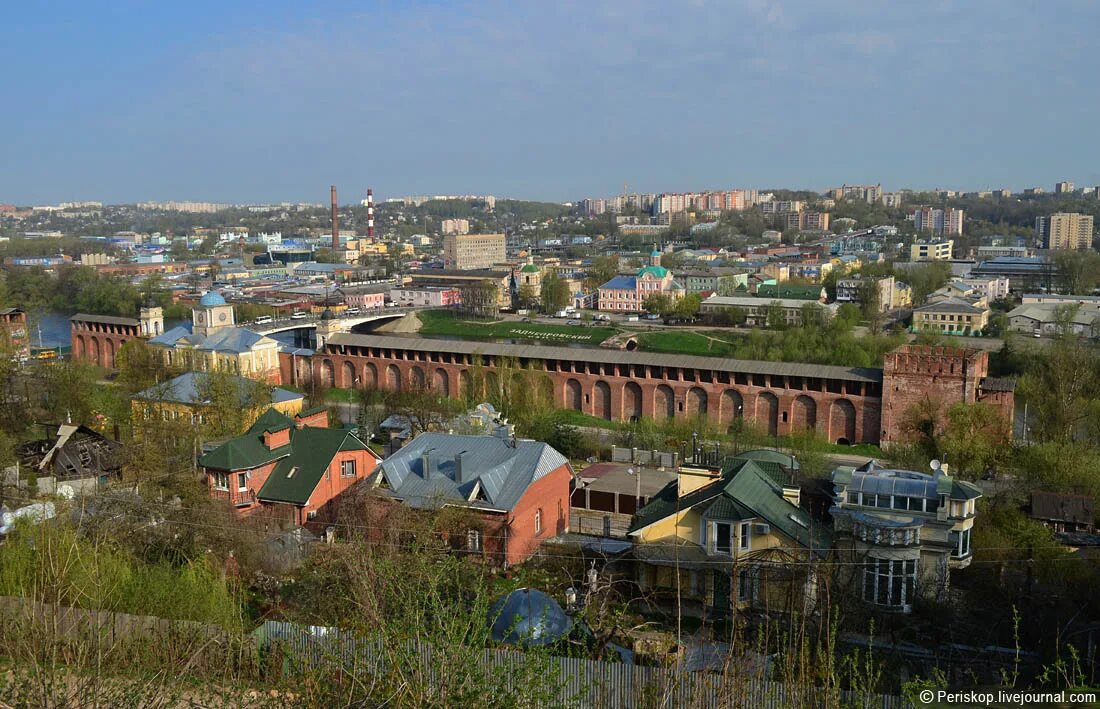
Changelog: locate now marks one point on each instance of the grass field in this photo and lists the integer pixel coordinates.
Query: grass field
(440, 322)
(705, 343)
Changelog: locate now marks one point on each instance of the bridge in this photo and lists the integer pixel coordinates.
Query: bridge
(305, 328)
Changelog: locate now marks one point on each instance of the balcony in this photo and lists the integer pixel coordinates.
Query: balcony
(881, 531)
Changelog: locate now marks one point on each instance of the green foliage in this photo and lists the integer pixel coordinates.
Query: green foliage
(1078, 272)
(553, 293)
(1061, 387)
(51, 563)
(659, 303)
(451, 324)
(834, 343)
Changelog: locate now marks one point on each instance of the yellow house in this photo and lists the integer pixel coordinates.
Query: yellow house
(186, 398)
(951, 316)
(731, 537)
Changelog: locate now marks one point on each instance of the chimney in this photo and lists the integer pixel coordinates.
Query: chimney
(370, 214)
(458, 468)
(426, 464)
(335, 221)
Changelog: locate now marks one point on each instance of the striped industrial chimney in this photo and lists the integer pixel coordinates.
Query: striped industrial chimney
(335, 223)
(370, 214)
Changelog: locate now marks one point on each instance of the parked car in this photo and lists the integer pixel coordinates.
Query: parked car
(351, 311)
(651, 316)
(298, 315)
(528, 320)
(264, 320)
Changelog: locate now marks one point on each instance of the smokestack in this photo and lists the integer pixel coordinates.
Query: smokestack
(335, 222)
(370, 214)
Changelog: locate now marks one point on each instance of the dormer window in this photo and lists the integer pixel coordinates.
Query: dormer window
(290, 473)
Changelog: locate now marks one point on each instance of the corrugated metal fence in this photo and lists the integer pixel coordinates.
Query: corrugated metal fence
(581, 682)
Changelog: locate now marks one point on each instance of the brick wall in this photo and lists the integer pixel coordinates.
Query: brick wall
(550, 494)
(933, 378)
(99, 343)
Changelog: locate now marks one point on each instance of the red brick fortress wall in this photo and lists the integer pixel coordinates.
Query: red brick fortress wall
(933, 379)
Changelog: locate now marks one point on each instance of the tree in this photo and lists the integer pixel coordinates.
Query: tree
(554, 293)
(1061, 389)
(976, 439)
(659, 303)
(528, 296)
(1077, 272)
(229, 402)
(870, 303)
(481, 299)
(926, 279)
(776, 316)
(602, 270)
(688, 306)
(813, 315)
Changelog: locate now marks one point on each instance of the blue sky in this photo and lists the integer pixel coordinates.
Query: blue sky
(269, 101)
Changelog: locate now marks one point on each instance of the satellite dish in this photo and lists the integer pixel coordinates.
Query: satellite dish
(935, 464)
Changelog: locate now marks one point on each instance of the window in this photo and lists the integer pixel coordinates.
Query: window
(744, 541)
(311, 515)
(960, 544)
(720, 542)
(242, 481)
(473, 540)
(221, 481)
(347, 468)
(853, 498)
(538, 521)
(890, 582)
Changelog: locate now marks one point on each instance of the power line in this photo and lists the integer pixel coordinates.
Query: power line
(543, 548)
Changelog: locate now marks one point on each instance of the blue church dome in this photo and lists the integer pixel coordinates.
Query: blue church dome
(211, 298)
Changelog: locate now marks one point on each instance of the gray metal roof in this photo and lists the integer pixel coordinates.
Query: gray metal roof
(894, 482)
(538, 351)
(502, 471)
(109, 319)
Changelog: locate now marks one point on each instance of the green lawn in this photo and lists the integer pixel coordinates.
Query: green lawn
(442, 322)
(685, 342)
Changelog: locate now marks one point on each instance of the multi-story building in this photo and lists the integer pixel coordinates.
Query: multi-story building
(757, 310)
(292, 468)
(473, 251)
(808, 221)
(515, 491)
(455, 226)
(1065, 230)
(731, 535)
(935, 250)
(212, 341)
(628, 294)
(782, 206)
(947, 221)
(951, 316)
(900, 532)
(865, 193)
(891, 293)
(1064, 187)
(414, 296)
(1080, 318)
(187, 398)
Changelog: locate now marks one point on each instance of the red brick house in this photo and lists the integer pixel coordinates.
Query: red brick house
(518, 489)
(291, 468)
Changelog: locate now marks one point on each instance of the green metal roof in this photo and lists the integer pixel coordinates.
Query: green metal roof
(786, 290)
(658, 271)
(310, 453)
(270, 420)
(747, 489)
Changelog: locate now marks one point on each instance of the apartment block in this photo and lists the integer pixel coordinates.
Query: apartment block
(1065, 230)
(939, 221)
(473, 251)
(455, 226)
(932, 250)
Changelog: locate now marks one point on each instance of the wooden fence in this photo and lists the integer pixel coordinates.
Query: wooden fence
(581, 682)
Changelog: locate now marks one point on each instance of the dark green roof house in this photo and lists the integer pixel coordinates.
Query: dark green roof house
(288, 468)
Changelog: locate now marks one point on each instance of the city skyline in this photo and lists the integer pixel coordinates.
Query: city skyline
(274, 102)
